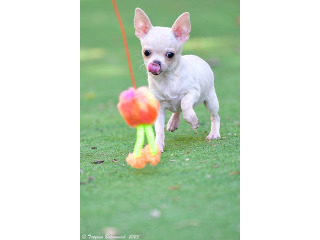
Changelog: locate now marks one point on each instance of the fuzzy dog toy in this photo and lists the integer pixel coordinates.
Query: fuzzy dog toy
(139, 108)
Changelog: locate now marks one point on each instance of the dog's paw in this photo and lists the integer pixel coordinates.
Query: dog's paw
(213, 136)
(195, 124)
(171, 128)
(191, 118)
(160, 144)
(173, 123)
(161, 147)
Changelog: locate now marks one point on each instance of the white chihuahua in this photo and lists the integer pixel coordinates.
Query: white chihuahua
(178, 82)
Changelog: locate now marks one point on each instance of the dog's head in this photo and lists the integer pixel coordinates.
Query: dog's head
(161, 46)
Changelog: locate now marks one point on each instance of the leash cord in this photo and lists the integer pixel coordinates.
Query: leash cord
(124, 42)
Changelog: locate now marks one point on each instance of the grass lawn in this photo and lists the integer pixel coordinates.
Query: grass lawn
(195, 190)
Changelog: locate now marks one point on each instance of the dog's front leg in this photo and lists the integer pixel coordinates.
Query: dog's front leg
(189, 114)
(159, 127)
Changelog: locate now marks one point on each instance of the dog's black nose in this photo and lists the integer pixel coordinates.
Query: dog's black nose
(157, 62)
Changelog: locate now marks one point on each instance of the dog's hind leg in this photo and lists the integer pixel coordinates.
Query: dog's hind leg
(212, 105)
(173, 122)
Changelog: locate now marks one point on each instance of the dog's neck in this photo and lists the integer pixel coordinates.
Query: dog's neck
(163, 86)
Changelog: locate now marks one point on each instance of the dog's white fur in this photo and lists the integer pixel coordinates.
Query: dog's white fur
(180, 82)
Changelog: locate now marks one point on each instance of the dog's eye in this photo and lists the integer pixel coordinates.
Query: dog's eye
(147, 53)
(170, 54)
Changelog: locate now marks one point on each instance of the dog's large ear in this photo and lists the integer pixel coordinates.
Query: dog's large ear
(182, 27)
(142, 23)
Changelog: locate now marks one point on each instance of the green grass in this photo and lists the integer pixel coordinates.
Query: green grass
(196, 187)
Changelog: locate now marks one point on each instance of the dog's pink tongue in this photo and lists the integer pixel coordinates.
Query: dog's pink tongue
(154, 68)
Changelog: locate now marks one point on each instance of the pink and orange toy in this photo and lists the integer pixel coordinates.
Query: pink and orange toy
(139, 108)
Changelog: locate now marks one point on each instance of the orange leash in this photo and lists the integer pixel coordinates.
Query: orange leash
(124, 42)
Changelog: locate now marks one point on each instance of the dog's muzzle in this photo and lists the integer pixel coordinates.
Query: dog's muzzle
(155, 67)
